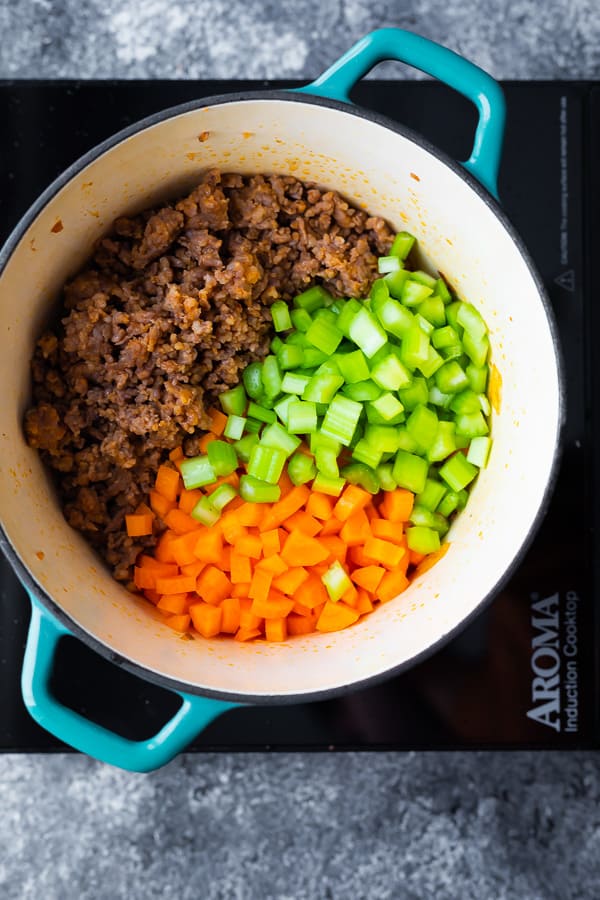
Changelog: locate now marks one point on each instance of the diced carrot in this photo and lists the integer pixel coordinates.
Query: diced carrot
(368, 577)
(300, 624)
(430, 560)
(188, 499)
(384, 552)
(144, 578)
(167, 482)
(363, 604)
(176, 604)
(207, 619)
(152, 596)
(247, 618)
(311, 592)
(414, 558)
(231, 527)
(320, 570)
(388, 531)
(240, 590)
(178, 623)
(358, 557)
(183, 548)
(336, 546)
(351, 500)
(356, 529)
(273, 564)
(275, 606)
(180, 522)
(285, 484)
(250, 514)
(176, 454)
(285, 507)
(336, 616)
(213, 585)
(392, 584)
(302, 521)
(159, 504)
(249, 545)
(320, 506)
(139, 524)
(260, 584)
(230, 622)
(371, 512)
(205, 440)
(302, 610)
(175, 584)
(209, 545)
(271, 543)
(218, 421)
(158, 567)
(275, 629)
(350, 597)
(331, 526)
(246, 634)
(291, 580)
(193, 568)
(224, 561)
(241, 570)
(143, 508)
(233, 479)
(302, 550)
(397, 505)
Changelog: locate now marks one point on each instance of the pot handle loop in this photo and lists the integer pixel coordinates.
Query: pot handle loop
(193, 715)
(445, 65)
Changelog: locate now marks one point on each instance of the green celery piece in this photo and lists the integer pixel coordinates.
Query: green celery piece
(385, 437)
(477, 349)
(297, 339)
(294, 383)
(301, 319)
(318, 440)
(402, 244)
(478, 378)
(259, 412)
(322, 388)
(386, 478)
(471, 425)
(390, 374)
(422, 425)
(276, 344)
(244, 446)
(442, 290)
(395, 318)
(462, 441)
(233, 402)
(451, 378)
(329, 367)
(204, 512)
(271, 376)
(312, 299)
(445, 442)
(301, 468)
(471, 321)
(222, 457)
(410, 471)
(449, 504)
(362, 391)
(290, 356)
(324, 333)
(424, 324)
(313, 357)
(252, 426)
(425, 278)
(280, 313)
(281, 407)
(366, 453)
(432, 494)
(347, 315)
(452, 316)
(422, 516)
(252, 378)
(353, 366)
(223, 495)
(457, 472)
(196, 472)
(466, 401)
(422, 540)
(341, 419)
(406, 441)
(433, 310)
(395, 282)
(444, 337)
(388, 406)
(433, 362)
(326, 462)
(302, 417)
(415, 393)
(336, 581)
(266, 463)
(479, 451)
(437, 398)
(414, 293)
(485, 405)
(387, 264)
(359, 473)
(252, 490)
(415, 348)
(234, 428)
(375, 418)
(367, 333)
(277, 437)
(454, 351)
(331, 486)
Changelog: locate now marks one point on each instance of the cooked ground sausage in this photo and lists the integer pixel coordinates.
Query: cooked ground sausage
(166, 315)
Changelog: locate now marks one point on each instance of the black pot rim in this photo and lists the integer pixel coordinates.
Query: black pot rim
(25, 575)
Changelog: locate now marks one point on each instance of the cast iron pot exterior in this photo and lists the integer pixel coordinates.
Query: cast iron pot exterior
(316, 135)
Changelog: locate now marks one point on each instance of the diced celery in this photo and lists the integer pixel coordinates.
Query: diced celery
(223, 495)
(415, 347)
(390, 374)
(302, 417)
(479, 451)
(255, 491)
(362, 391)
(395, 318)
(433, 310)
(366, 453)
(251, 376)
(301, 468)
(359, 473)
(425, 278)
(205, 512)
(466, 401)
(444, 444)
(422, 540)
(385, 437)
(260, 413)
(406, 441)
(277, 437)
(387, 406)
(477, 349)
(471, 321)
(423, 324)
(244, 446)
(438, 398)
(414, 293)
(410, 471)
(271, 376)
(280, 314)
(451, 378)
(233, 402)
(353, 366)
(322, 388)
(457, 472)
(386, 478)
(471, 425)
(336, 581)
(301, 319)
(281, 407)
(347, 315)
(484, 403)
(266, 463)
(422, 425)
(402, 244)
(432, 494)
(196, 472)
(433, 362)
(324, 333)
(396, 281)
(276, 344)
(313, 357)
(442, 290)
(234, 428)
(448, 504)
(290, 356)
(294, 383)
(332, 486)
(477, 378)
(313, 298)
(444, 337)
(329, 367)
(452, 316)
(367, 333)
(414, 393)
(222, 457)
(326, 462)
(318, 439)
(341, 419)
(386, 264)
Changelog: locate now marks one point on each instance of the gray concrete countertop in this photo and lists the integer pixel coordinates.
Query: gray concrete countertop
(292, 826)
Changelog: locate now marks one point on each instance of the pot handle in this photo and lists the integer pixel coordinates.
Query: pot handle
(445, 65)
(70, 727)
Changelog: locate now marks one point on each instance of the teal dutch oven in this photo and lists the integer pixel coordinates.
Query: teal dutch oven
(317, 134)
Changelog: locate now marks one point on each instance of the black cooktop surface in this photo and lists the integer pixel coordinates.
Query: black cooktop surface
(489, 687)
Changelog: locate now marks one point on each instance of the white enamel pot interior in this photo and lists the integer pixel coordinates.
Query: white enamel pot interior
(393, 174)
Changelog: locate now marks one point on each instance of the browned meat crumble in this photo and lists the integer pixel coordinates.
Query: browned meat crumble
(168, 312)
